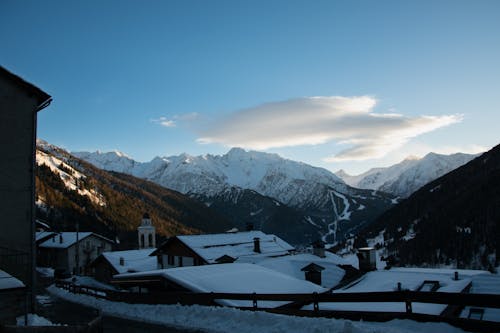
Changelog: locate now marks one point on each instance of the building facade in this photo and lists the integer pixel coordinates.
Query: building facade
(72, 252)
(19, 103)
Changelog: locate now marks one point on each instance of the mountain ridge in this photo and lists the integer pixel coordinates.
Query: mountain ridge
(404, 178)
(315, 193)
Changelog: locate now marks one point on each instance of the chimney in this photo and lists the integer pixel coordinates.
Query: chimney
(60, 238)
(122, 261)
(256, 244)
(319, 248)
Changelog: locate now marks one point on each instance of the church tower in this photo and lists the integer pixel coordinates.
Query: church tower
(146, 233)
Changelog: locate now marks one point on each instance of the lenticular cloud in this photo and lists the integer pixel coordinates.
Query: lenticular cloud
(318, 120)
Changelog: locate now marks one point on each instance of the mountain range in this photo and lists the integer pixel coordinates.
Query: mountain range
(267, 190)
(69, 189)
(406, 177)
(451, 221)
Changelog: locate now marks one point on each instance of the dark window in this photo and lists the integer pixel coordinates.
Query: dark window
(150, 240)
(171, 260)
(142, 240)
(180, 261)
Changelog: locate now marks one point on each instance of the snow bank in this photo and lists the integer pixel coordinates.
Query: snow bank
(34, 320)
(220, 319)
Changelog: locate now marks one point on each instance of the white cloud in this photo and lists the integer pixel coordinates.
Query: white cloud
(318, 120)
(173, 122)
(165, 122)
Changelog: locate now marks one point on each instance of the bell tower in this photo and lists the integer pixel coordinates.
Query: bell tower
(146, 233)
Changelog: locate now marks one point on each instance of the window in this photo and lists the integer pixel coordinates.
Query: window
(170, 260)
(150, 240)
(142, 241)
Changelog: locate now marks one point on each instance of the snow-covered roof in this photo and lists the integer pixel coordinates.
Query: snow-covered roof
(133, 260)
(485, 283)
(236, 245)
(43, 234)
(387, 280)
(7, 281)
(291, 265)
(64, 240)
(233, 278)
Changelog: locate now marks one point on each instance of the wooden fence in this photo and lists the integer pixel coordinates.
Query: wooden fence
(298, 300)
(94, 326)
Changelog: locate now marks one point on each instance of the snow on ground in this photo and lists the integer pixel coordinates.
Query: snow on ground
(387, 280)
(69, 176)
(222, 319)
(34, 320)
(45, 271)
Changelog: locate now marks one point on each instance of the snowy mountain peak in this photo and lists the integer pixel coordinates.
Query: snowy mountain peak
(268, 174)
(406, 177)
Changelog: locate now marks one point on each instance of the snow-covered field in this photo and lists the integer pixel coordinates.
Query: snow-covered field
(223, 319)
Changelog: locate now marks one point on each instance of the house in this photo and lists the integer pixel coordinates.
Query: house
(19, 103)
(195, 250)
(221, 278)
(72, 251)
(108, 264)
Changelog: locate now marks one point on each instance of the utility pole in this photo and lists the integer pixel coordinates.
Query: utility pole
(77, 255)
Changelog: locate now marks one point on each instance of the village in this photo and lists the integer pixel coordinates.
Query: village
(246, 270)
(90, 248)
(258, 271)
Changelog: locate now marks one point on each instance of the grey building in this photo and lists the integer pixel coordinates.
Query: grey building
(19, 103)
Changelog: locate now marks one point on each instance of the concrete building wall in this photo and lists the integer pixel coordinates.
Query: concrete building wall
(17, 140)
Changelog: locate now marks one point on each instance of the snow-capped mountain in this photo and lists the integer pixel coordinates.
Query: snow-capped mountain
(326, 202)
(406, 177)
(450, 221)
(268, 174)
(68, 190)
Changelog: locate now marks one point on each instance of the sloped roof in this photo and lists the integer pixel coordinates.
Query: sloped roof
(232, 278)
(240, 244)
(7, 281)
(68, 239)
(133, 260)
(43, 99)
(292, 265)
(40, 235)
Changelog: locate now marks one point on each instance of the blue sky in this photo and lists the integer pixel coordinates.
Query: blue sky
(337, 84)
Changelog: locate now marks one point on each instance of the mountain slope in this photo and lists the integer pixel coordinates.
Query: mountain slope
(406, 177)
(454, 216)
(69, 189)
(325, 204)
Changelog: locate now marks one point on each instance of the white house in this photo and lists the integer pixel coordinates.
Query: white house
(72, 251)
